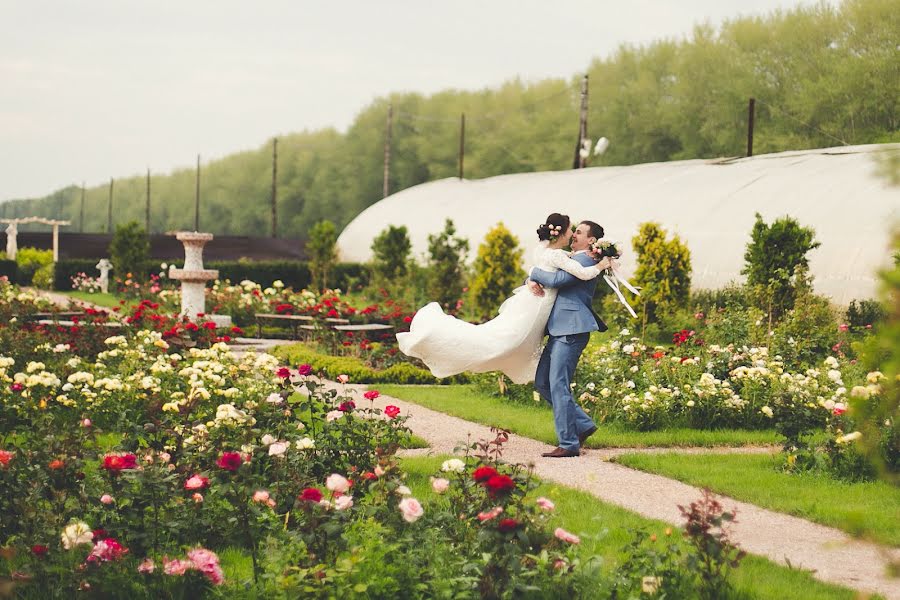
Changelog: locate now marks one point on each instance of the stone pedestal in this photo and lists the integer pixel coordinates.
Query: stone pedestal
(193, 277)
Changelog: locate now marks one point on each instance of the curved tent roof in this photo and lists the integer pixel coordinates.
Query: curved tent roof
(710, 204)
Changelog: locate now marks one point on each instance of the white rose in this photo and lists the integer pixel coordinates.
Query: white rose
(305, 444)
(337, 483)
(278, 448)
(343, 502)
(453, 465)
(76, 534)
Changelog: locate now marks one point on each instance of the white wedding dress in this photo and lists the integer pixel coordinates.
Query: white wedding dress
(510, 342)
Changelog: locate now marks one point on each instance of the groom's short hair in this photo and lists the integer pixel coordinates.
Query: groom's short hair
(596, 230)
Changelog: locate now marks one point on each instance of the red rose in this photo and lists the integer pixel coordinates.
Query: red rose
(500, 484)
(99, 534)
(40, 550)
(304, 370)
(507, 525)
(191, 327)
(17, 387)
(391, 411)
(230, 461)
(237, 330)
(310, 495)
(118, 462)
(371, 394)
(284, 373)
(482, 474)
(347, 406)
(209, 325)
(56, 464)
(369, 476)
(407, 319)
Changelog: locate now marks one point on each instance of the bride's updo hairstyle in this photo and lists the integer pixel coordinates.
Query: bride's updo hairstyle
(553, 227)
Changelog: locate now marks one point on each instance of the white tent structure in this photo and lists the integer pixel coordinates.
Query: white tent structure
(710, 204)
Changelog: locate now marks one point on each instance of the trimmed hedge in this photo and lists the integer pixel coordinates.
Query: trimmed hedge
(332, 366)
(9, 268)
(293, 273)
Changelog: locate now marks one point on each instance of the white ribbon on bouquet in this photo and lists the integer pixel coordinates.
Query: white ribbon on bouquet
(614, 279)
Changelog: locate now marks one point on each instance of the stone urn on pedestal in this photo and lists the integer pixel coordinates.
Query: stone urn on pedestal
(193, 278)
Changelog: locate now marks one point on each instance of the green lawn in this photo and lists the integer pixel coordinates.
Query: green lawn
(870, 510)
(535, 422)
(106, 300)
(605, 528)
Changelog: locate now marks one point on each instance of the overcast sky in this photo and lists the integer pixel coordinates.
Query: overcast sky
(96, 88)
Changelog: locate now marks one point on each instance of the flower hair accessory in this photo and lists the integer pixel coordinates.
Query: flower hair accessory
(555, 230)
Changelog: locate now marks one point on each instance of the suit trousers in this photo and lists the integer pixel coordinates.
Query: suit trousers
(553, 381)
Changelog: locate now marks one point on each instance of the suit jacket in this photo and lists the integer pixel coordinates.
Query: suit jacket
(572, 312)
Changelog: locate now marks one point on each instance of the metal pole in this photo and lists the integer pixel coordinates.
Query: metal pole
(751, 109)
(147, 208)
(109, 207)
(197, 198)
(462, 142)
(387, 154)
(578, 162)
(274, 188)
(81, 218)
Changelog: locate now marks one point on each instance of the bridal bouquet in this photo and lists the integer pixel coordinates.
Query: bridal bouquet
(602, 248)
(605, 248)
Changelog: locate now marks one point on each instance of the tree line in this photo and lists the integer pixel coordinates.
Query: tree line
(821, 75)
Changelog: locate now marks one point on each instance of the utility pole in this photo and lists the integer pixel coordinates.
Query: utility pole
(387, 153)
(147, 208)
(578, 162)
(274, 188)
(462, 142)
(109, 207)
(751, 109)
(81, 218)
(197, 198)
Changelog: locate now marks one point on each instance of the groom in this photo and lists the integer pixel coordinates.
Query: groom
(570, 325)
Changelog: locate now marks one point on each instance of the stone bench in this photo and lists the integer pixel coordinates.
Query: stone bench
(293, 320)
(38, 316)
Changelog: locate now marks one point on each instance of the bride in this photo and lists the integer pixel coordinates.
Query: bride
(510, 342)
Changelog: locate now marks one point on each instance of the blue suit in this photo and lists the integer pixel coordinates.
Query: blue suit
(570, 325)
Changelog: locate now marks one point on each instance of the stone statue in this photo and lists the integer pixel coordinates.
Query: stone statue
(104, 265)
(11, 247)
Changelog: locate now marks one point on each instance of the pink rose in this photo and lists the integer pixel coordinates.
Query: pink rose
(86, 423)
(262, 497)
(343, 502)
(207, 562)
(545, 504)
(337, 483)
(197, 498)
(440, 485)
(343, 378)
(176, 566)
(490, 514)
(304, 370)
(196, 482)
(411, 509)
(107, 499)
(146, 566)
(565, 536)
(371, 395)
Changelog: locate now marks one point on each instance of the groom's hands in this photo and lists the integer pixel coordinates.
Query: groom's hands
(535, 288)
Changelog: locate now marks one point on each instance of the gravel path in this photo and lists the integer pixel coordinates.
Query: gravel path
(832, 555)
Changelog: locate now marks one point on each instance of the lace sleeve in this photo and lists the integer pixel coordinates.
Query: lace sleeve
(572, 266)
